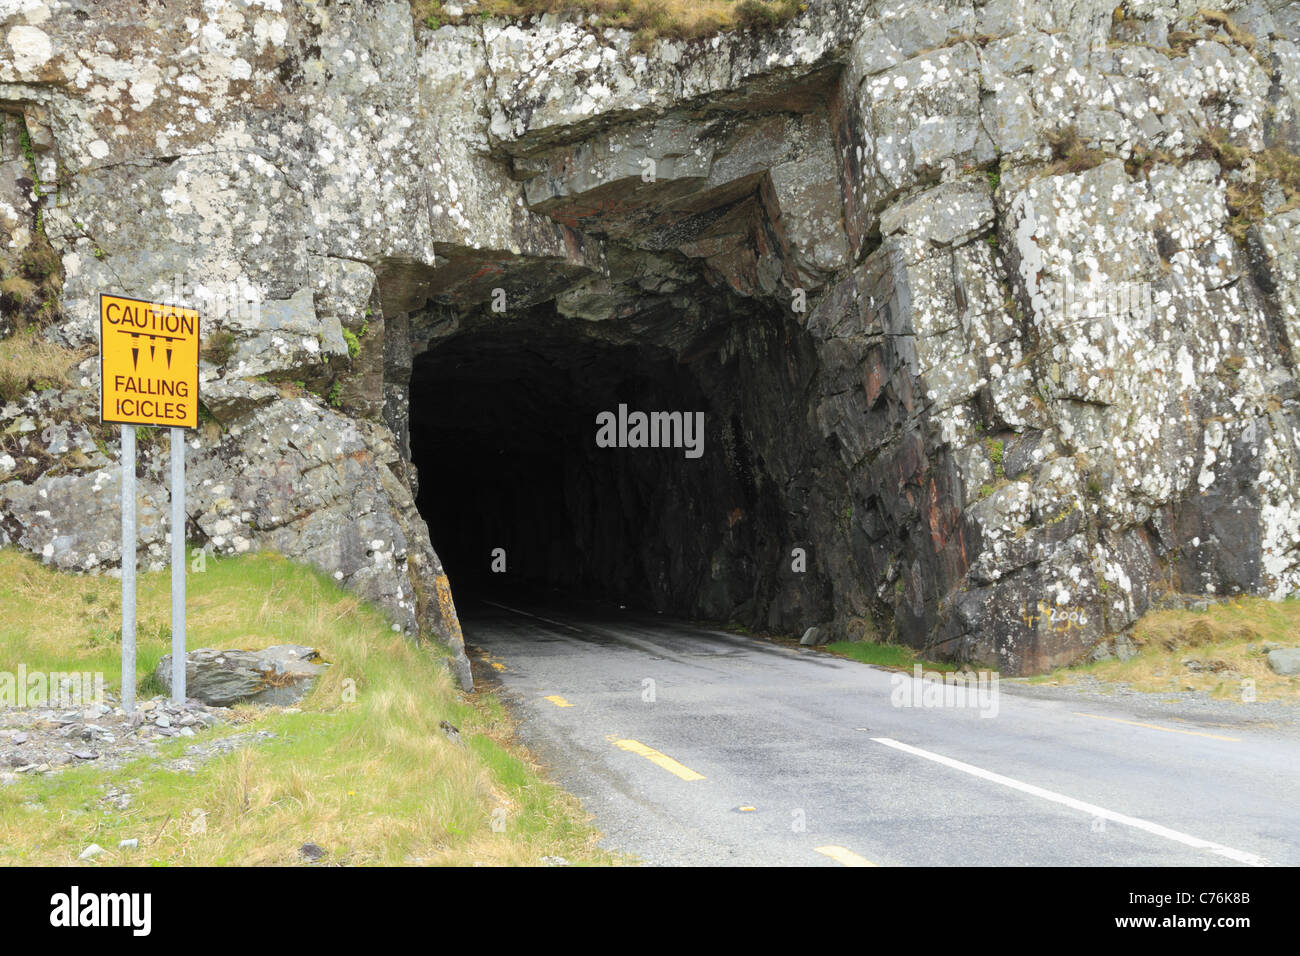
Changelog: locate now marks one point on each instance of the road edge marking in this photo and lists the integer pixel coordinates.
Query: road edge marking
(1147, 826)
(1168, 730)
(535, 617)
(843, 856)
(557, 700)
(660, 759)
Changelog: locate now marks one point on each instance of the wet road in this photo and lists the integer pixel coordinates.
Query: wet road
(697, 746)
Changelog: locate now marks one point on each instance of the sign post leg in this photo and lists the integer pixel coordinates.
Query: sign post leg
(128, 568)
(178, 565)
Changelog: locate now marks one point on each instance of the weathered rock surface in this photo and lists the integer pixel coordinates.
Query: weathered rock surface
(992, 306)
(276, 676)
(1285, 660)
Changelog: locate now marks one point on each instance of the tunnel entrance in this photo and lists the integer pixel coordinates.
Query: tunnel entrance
(520, 495)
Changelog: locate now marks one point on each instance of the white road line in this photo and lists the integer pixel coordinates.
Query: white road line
(536, 617)
(1156, 829)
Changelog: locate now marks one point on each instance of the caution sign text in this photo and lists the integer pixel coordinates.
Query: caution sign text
(149, 363)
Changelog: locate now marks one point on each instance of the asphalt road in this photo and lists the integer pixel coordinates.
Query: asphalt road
(697, 746)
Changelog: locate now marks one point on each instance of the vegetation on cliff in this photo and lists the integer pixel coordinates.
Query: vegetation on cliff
(650, 19)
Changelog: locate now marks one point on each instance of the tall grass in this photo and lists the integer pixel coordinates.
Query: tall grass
(1224, 644)
(361, 768)
(27, 361)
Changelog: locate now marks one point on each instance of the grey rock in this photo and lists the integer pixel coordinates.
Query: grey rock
(230, 399)
(277, 676)
(452, 733)
(948, 214)
(813, 636)
(1125, 649)
(1285, 661)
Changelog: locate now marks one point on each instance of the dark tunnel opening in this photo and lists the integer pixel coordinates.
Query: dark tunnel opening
(520, 498)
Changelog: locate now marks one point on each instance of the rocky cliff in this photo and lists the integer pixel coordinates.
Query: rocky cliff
(989, 305)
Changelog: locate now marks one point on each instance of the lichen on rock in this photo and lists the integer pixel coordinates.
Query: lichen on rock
(994, 304)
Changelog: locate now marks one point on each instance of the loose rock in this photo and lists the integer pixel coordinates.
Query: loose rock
(276, 676)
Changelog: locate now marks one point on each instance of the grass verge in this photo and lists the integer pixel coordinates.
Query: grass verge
(880, 654)
(361, 768)
(1213, 650)
(886, 655)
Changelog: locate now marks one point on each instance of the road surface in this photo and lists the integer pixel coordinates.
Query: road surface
(696, 746)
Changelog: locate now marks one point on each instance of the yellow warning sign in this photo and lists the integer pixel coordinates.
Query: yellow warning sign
(148, 363)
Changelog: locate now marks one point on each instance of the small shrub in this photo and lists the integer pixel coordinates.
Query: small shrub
(17, 291)
(1070, 154)
(219, 347)
(762, 15)
(649, 15)
(353, 343)
(1238, 36)
(26, 359)
(1245, 193)
(39, 261)
(428, 12)
(995, 447)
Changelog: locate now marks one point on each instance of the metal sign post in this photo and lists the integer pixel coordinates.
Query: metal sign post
(149, 375)
(178, 565)
(128, 568)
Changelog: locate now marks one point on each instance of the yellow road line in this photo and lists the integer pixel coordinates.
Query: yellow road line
(663, 760)
(1168, 730)
(842, 856)
(557, 700)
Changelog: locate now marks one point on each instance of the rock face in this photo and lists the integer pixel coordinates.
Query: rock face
(1285, 660)
(989, 306)
(277, 676)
